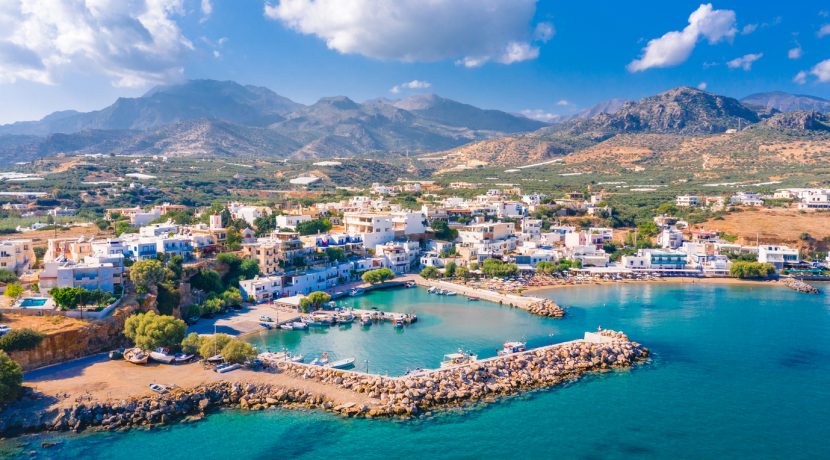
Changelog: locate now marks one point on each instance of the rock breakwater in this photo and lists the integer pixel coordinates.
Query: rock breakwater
(800, 286)
(547, 308)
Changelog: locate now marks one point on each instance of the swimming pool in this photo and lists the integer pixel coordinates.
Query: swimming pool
(33, 302)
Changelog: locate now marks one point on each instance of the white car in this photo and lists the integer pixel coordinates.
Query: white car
(4, 328)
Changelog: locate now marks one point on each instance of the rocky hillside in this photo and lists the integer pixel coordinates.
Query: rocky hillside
(798, 121)
(206, 117)
(786, 102)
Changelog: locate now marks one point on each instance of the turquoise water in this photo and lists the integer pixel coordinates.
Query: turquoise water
(738, 372)
(444, 324)
(33, 302)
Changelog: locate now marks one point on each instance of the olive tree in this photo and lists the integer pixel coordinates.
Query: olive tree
(150, 330)
(146, 275)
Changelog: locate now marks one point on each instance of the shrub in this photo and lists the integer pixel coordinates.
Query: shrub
(314, 301)
(14, 290)
(20, 339)
(213, 345)
(747, 270)
(146, 275)
(7, 276)
(191, 343)
(11, 378)
(149, 330)
(232, 297)
(211, 307)
(430, 272)
(449, 270)
(238, 351)
(497, 268)
(207, 280)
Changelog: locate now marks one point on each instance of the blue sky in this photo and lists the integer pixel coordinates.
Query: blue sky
(548, 57)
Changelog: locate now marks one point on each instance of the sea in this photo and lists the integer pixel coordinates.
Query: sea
(736, 372)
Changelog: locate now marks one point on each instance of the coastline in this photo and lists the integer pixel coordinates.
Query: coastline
(667, 280)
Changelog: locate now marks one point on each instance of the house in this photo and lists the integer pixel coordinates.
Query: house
(670, 238)
(779, 256)
(687, 201)
(16, 255)
(400, 257)
(408, 224)
(372, 228)
(248, 213)
(746, 199)
(655, 259)
(275, 252)
(69, 248)
(91, 275)
(290, 222)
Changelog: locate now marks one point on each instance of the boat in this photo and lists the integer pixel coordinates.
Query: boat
(183, 357)
(136, 356)
(432, 290)
(410, 284)
(366, 319)
(161, 355)
(512, 347)
(266, 319)
(345, 317)
(342, 363)
(158, 388)
(412, 372)
(321, 360)
(450, 293)
(215, 359)
(457, 359)
(397, 322)
(282, 356)
(311, 322)
(323, 318)
(116, 354)
(299, 325)
(226, 367)
(473, 299)
(266, 325)
(356, 291)
(287, 327)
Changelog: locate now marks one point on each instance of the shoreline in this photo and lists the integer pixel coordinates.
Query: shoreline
(666, 280)
(293, 385)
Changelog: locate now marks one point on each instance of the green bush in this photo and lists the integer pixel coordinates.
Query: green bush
(749, 270)
(238, 351)
(7, 276)
(430, 272)
(149, 330)
(497, 268)
(314, 301)
(378, 276)
(191, 343)
(11, 378)
(20, 339)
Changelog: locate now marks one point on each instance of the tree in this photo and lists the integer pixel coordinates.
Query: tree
(70, 298)
(207, 280)
(11, 378)
(335, 254)
(745, 270)
(463, 272)
(449, 269)
(211, 306)
(238, 351)
(497, 268)
(378, 276)
(14, 290)
(430, 272)
(149, 330)
(20, 339)
(248, 269)
(443, 231)
(191, 343)
(232, 297)
(213, 345)
(314, 226)
(314, 301)
(146, 275)
(265, 225)
(233, 239)
(7, 276)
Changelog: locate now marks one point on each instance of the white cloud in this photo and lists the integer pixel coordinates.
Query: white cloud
(563, 102)
(133, 42)
(745, 61)
(800, 78)
(822, 71)
(541, 115)
(674, 47)
(795, 53)
(544, 32)
(749, 28)
(207, 10)
(825, 30)
(471, 32)
(702, 86)
(414, 84)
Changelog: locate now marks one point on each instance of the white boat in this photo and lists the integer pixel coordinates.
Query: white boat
(397, 322)
(457, 359)
(158, 388)
(356, 291)
(432, 290)
(342, 363)
(162, 356)
(512, 347)
(136, 356)
(287, 327)
(366, 319)
(183, 357)
(311, 322)
(299, 325)
(450, 293)
(323, 318)
(321, 360)
(215, 359)
(345, 317)
(281, 356)
(226, 367)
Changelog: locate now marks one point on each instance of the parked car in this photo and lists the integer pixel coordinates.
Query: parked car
(4, 328)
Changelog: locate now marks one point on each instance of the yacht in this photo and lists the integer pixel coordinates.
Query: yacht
(457, 359)
(512, 347)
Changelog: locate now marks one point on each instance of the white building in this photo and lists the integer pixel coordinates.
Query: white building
(90, 274)
(373, 228)
(778, 255)
(290, 222)
(400, 257)
(16, 255)
(248, 213)
(408, 223)
(687, 201)
(670, 238)
(746, 199)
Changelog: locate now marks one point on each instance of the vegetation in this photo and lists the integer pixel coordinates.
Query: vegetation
(71, 298)
(560, 266)
(497, 268)
(314, 301)
(450, 269)
(207, 280)
(20, 339)
(378, 276)
(11, 379)
(191, 343)
(314, 226)
(750, 270)
(430, 272)
(211, 306)
(443, 231)
(149, 330)
(232, 350)
(7, 276)
(238, 351)
(146, 275)
(14, 290)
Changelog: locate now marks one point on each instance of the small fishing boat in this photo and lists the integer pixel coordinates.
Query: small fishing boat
(397, 322)
(345, 317)
(450, 293)
(432, 290)
(266, 326)
(183, 357)
(136, 356)
(356, 291)
(323, 318)
(366, 319)
(457, 359)
(473, 299)
(512, 347)
(226, 367)
(215, 359)
(342, 363)
(287, 327)
(410, 318)
(321, 360)
(412, 372)
(299, 325)
(266, 319)
(161, 355)
(311, 322)
(410, 284)
(116, 354)
(158, 388)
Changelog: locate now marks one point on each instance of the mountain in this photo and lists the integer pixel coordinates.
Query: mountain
(610, 107)
(786, 102)
(452, 113)
(207, 117)
(196, 99)
(798, 121)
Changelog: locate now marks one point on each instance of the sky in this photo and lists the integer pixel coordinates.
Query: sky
(541, 58)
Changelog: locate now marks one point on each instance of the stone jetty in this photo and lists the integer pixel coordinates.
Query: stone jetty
(800, 286)
(547, 308)
(407, 396)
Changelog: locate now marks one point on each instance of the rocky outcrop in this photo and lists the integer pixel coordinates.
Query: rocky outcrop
(800, 286)
(547, 308)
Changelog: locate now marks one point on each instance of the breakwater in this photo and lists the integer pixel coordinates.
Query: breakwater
(799, 286)
(371, 395)
(534, 305)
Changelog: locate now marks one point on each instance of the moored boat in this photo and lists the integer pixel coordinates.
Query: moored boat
(457, 359)
(397, 322)
(287, 327)
(161, 355)
(158, 388)
(512, 347)
(299, 325)
(356, 291)
(183, 357)
(342, 363)
(136, 356)
(345, 317)
(311, 322)
(321, 360)
(266, 326)
(226, 367)
(366, 319)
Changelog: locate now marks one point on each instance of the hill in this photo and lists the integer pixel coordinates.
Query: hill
(786, 102)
